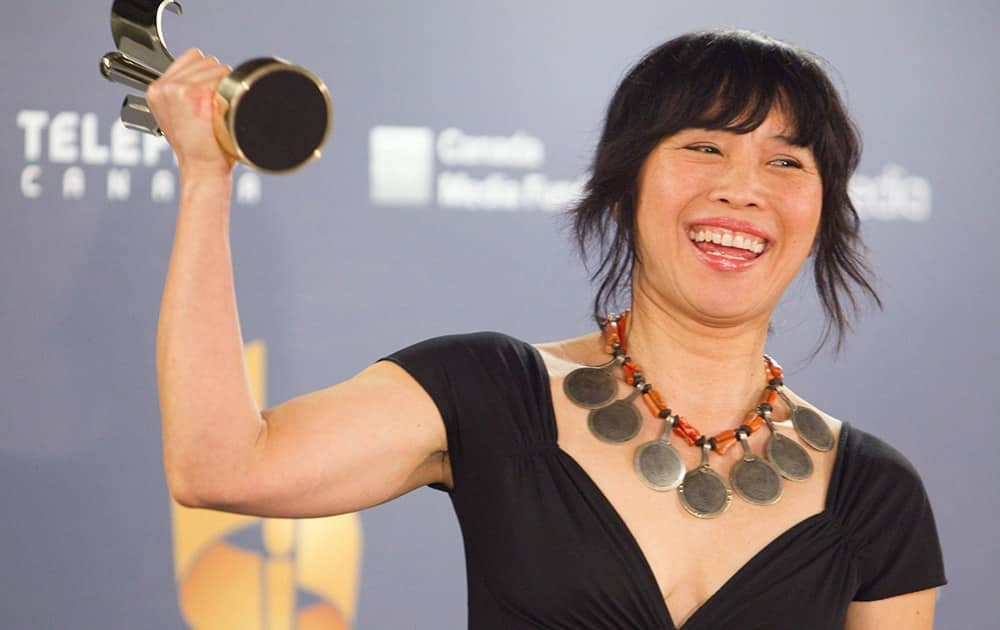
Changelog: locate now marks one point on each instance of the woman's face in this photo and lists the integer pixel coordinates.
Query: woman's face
(724, 221)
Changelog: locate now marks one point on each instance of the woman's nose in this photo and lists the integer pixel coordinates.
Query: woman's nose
(739, 186)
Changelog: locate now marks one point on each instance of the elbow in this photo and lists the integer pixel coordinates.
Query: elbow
(193, 489)
(212, 477)
(184, 491)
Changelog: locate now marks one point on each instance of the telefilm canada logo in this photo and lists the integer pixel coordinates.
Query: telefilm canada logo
(453, 169)
(73, 156)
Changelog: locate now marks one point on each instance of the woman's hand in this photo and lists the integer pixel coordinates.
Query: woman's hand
(183, 101)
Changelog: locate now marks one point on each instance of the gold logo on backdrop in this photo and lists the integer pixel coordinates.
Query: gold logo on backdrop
(249, 573)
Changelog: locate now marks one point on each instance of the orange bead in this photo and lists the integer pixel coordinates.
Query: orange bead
(655, 395)
(725, 437)
(688, 432)
(630, 370)
(651, 404)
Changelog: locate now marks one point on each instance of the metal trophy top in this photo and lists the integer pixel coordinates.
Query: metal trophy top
(272, 115)
(137, 28)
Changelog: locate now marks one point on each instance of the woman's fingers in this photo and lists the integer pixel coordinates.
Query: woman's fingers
(196, 67)
(190, 56)
(203, 75)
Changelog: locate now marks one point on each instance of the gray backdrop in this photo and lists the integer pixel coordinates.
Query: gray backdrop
(333, 271)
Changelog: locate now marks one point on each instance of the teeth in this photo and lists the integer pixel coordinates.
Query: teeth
(726, 238)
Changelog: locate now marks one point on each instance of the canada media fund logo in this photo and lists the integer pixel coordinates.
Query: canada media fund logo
(248, 573)
(473, 172)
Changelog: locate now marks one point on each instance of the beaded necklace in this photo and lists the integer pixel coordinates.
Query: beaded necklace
(702, 491)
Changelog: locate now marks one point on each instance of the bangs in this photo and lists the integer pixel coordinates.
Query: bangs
(735, 82)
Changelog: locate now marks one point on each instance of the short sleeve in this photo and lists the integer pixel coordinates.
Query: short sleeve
(887, 511)
(479, 383)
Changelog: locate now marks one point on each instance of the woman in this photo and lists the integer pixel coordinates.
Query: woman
(722, 167)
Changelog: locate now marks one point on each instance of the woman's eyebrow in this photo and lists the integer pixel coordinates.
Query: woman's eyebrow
(784, 139)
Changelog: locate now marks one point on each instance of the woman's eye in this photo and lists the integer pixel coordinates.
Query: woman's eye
(703, 148)
(786, 163)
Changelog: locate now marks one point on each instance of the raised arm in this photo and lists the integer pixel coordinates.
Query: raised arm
(332, 451)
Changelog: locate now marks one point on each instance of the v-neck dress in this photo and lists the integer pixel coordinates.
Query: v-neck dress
(545, 548)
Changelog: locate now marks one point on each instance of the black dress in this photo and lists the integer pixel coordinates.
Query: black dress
(545, 548)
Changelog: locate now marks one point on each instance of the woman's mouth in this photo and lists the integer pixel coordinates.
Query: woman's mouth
(726, 249)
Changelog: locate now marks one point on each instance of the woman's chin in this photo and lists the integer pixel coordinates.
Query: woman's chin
(727, 311)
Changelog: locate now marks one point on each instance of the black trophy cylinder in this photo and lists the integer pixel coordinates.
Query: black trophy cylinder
(275, 115)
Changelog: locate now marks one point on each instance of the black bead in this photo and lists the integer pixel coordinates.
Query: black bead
(700, 442)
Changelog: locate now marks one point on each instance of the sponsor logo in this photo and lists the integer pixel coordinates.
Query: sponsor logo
(892, 195)
(236, 571)
(410, 166)
(401, 165)
(63, 150)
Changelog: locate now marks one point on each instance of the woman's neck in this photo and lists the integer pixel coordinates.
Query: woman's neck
(712, 375)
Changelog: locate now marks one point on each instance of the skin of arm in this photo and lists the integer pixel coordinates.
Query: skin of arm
(912, 611)
(344, 448)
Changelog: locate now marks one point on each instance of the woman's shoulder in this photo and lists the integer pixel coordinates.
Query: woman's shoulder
(563, 356)
(878, 461)
(883, 506)
(875, 485)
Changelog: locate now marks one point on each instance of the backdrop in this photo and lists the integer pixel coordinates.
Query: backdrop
(461, 130)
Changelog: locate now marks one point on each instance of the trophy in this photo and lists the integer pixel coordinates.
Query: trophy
(271, 114)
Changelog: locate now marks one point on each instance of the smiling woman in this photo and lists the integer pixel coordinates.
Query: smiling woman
(722, 167)
(727, 81)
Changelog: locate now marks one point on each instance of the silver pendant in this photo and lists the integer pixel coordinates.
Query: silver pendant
(618, 422)
(658, 463)
(791, 460)
(755, 480)
(703, 492)
(592, 387)
(809, 425)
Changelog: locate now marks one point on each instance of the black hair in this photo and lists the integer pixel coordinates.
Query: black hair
(731, 80)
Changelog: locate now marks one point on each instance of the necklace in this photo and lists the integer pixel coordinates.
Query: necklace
(702, 491)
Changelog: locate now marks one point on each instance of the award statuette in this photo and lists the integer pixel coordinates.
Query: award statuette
(271, 114)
